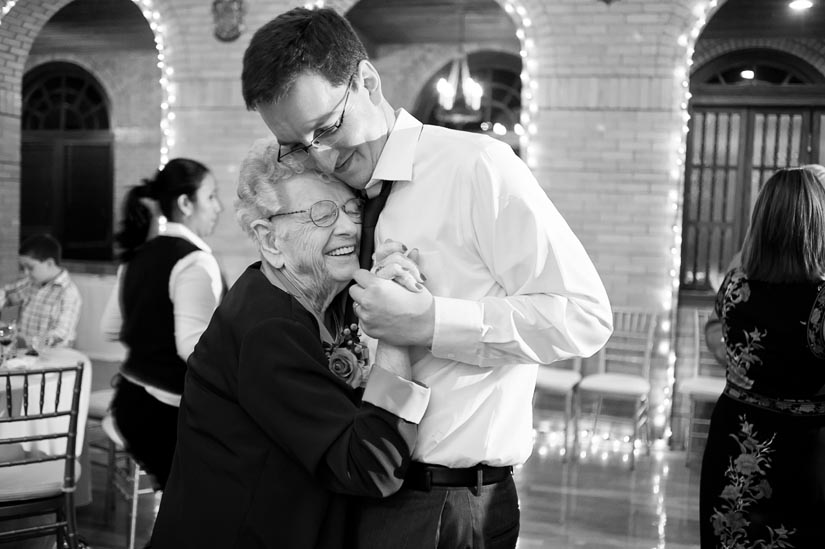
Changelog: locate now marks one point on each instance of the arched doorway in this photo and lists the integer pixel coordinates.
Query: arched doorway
(66, 160)
(752, 112)
(499, 75)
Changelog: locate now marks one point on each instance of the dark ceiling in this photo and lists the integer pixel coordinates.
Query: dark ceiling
(765, 19)
(95, 25)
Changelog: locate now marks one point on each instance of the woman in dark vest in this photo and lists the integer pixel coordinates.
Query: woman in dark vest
(168, 286)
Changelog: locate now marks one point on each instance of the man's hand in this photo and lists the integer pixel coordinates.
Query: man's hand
(389, 312)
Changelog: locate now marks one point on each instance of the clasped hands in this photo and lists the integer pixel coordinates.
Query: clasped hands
(391, 301)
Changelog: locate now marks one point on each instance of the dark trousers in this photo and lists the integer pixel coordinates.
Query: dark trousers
(149, 428)
(442, 518)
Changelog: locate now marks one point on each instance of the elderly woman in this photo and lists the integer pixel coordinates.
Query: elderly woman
(274, 435)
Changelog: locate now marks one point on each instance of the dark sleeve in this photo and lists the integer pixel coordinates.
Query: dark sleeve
(286, 388)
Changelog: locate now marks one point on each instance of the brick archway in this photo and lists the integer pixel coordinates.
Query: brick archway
(20, 27)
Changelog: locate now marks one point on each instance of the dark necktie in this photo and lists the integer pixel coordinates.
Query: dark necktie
(372, 210)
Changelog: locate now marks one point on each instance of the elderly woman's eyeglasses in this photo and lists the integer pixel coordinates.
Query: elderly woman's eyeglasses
(328, 136)
(325, 212)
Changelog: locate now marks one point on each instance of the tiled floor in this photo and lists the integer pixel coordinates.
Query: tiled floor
(594, 502)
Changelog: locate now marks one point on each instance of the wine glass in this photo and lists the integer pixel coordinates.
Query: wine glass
(8, 336)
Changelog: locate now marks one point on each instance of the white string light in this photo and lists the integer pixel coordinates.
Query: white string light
(7, 8)
(701, 11)
(167, 84)
(529, 85)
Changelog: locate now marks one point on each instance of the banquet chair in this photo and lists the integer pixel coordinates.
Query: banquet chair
(623, 373)
(33, 482)
(705, 384)
(563, 382)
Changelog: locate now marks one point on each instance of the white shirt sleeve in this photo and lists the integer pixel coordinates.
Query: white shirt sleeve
(195, 288)
(112, 319)
(550, 304)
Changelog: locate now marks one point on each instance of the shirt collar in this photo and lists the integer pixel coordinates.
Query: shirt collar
(182, 231)
(398, 154)
(62, 279)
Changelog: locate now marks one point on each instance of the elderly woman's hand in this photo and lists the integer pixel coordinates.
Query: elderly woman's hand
(393, 261)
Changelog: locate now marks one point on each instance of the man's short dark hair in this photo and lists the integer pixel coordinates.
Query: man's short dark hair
(296, 42)
(42, 247)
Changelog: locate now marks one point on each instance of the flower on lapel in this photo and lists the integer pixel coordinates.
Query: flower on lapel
(348, 359)
(344, 364)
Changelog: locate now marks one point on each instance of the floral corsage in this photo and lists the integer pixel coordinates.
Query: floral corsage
(348, 358)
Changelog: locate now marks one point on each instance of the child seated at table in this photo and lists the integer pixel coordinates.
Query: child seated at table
(49, 301)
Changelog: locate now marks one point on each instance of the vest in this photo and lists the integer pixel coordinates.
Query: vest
(148, 328)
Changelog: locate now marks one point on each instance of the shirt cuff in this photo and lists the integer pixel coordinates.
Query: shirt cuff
(404, 398)
(458, 329)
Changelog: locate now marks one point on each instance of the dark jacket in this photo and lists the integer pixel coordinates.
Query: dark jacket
(270, 442)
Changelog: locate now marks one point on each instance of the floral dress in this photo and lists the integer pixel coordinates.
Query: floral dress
(763, 472)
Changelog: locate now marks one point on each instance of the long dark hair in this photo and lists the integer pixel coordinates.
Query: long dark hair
(180, 176)
(786, 239)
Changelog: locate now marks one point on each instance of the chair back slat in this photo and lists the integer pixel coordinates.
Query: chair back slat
(8, 397)
(57, 395)
(630, 347)
(26, 396)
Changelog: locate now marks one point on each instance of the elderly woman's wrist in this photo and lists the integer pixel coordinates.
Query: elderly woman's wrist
(403, 371)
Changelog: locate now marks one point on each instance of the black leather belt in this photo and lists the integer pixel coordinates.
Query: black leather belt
(421, 476)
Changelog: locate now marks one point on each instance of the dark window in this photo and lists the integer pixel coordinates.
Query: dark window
(66, 161)
(63, 102)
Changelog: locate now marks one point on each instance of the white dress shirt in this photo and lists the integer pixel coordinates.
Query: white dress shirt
(195, 288)
(513, 287)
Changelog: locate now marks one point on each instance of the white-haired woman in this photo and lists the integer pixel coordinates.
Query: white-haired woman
(275, 436)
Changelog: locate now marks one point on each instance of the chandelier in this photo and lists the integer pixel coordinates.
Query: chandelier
(459, 96)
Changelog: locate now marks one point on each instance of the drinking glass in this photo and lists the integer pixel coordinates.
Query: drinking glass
(8, 337)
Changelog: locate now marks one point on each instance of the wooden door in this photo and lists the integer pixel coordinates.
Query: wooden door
(731, 153)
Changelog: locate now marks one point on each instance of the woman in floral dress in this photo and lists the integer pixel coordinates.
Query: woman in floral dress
(763, 472)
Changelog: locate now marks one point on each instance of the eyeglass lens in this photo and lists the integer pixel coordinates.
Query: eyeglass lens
(325, 212)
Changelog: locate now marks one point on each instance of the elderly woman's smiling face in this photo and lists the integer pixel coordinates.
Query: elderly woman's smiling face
(327, 256)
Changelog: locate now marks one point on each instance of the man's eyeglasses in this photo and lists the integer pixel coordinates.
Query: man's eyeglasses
(327, 135)
(325, 212)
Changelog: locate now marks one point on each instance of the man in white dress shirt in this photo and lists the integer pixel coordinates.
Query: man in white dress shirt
(508, 285)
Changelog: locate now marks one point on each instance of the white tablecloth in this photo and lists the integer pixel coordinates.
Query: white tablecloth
(48, 359)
